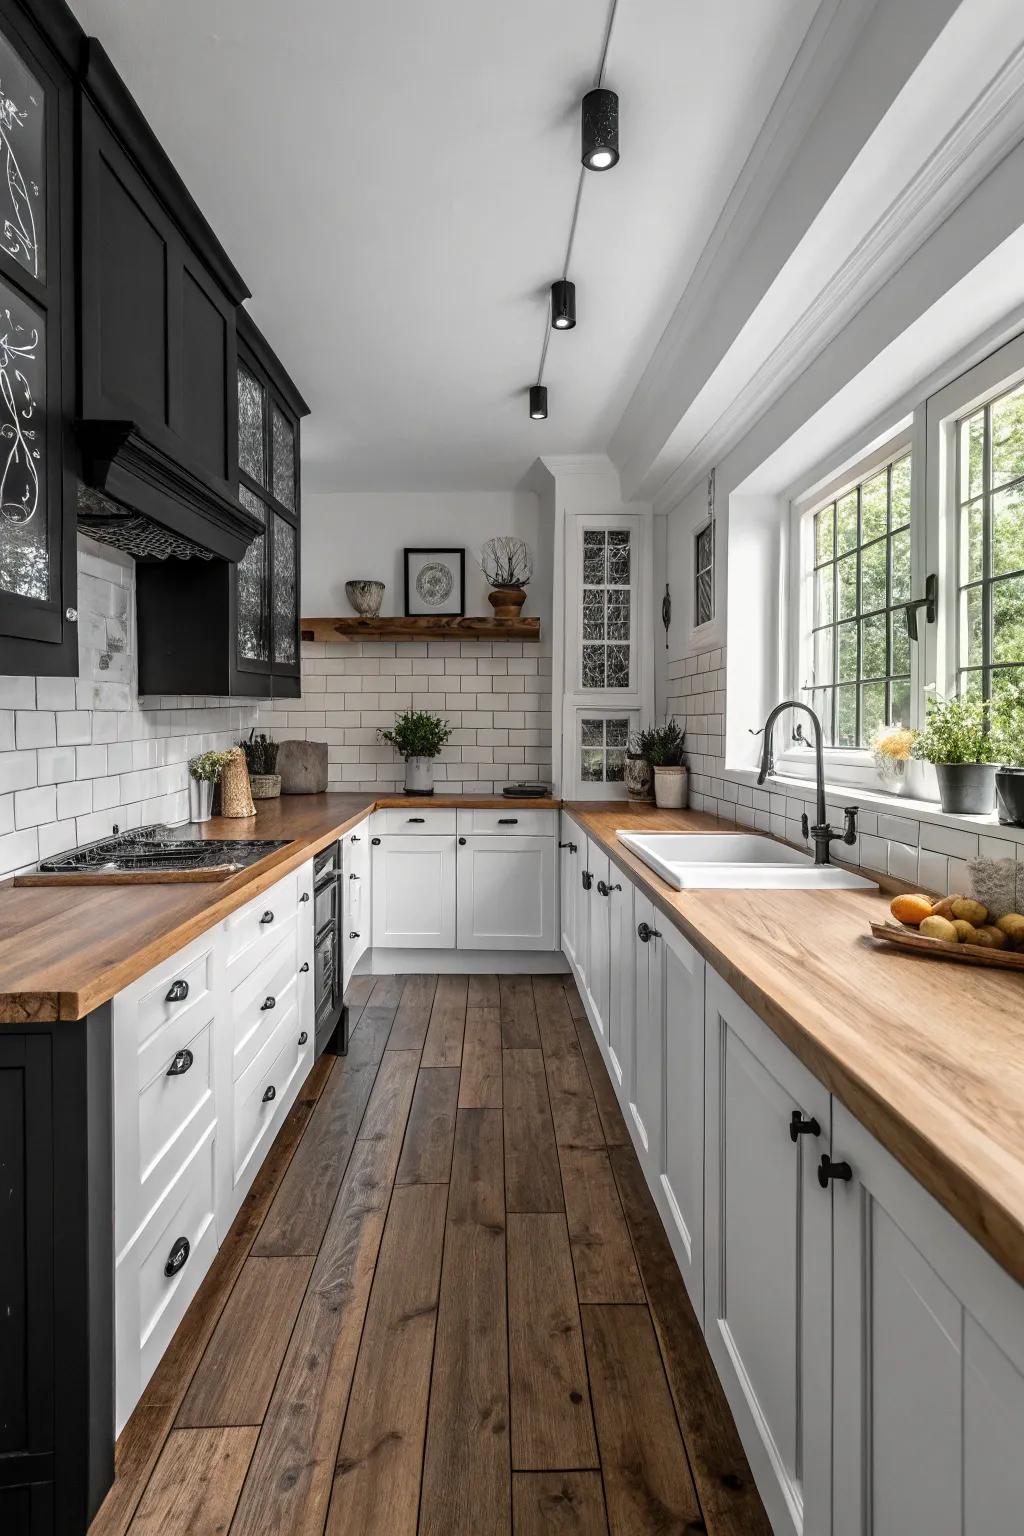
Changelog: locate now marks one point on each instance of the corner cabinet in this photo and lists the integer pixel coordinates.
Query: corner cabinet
(38, 572)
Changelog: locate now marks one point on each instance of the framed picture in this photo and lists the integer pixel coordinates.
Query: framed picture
(435, 582)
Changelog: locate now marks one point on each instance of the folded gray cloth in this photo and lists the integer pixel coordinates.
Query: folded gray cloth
(996, 884)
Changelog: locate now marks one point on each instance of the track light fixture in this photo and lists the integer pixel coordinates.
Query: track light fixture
(600, 130)
(563, 305)
(538, 402)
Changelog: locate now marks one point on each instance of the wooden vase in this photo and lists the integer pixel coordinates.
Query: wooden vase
(507, 602)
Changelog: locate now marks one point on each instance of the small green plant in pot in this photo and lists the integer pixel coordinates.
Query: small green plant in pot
(204, 774)
(957, 740)
(1008, 729)
(261, 761)
(639, 774)
(666, 754)
(418, 736)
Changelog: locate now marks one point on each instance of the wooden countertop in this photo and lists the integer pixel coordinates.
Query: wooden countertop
(928, 1056)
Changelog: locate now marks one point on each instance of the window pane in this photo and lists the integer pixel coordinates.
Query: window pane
(972, 456)
(593, 556)
(24, 530)
(823, 656)
(593, 615)
(824, 594)
(285, 595)
(607, 610)
(824, 525)
(1008, 531)
(847, 586)
(252, 587)
(592, 766)
(1008, 619)
(971, 685)
(846, 716)
(603, 748)
(251, 454)
(592, 733)
(23, 156)
(1008, 438)
(618, 558)
(872, 576)
(618, 614)
(846, 523)
(972, 541)
(618, 666)
(971, 648)
(900, 501)
(872, 646)
(284, 459)
(900, 543)
(872, 709)
(615, 766)
(847, 652)
(874, 506)
(899, 701)
(593, 666)
(616, 732)
(900, 644)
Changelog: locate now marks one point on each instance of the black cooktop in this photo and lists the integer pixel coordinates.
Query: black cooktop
(159, 847)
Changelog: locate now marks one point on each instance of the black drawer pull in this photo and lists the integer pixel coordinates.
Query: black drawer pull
(602, 888)
(304, 896)
(304, 966)
(183, 1059)
(645, 933)
(615, 888)
(267, 1004)
(355, 839)
(303, 1038)
(798, 1126)
(353, 877)
(587, 879)
(375, 841)
(268, 916)
(177, 1258)
(416, 821)
(571, 846)
(177, 992)
(827, 1169)
(508, 821)
(353, 934)
(269, 1093)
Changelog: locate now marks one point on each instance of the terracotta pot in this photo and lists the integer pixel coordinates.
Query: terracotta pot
(670, 788)
(639, 779)
(507, 602)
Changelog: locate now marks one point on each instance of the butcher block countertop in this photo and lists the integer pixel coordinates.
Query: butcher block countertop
(928, 1055)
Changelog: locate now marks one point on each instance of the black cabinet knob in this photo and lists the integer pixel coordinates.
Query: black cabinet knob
(602, 888)
(268, 916)
(353, 877)
(177, 1258)
(304, 896)
(177, 992)
(180, 1063)
(375, 841)
(645, 933)
(462, 842)
(267, 1004)
(269, 1093)
(354, 935)
(827, 1169)
(303, 1038)
(798, 1126)
(304, 966)
(587, 879)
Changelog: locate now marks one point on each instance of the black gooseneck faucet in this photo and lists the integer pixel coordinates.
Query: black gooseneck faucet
(821, 832)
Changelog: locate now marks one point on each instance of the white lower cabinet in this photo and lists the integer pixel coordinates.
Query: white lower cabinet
(357, 914)
(414, 891)
(598, 939)
(648, 1085)
(505, 891)
(621, 984)
(929, 1361)
(682, 1148)
(570, 862)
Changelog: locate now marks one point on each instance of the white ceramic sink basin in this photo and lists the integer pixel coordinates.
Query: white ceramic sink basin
(735, 861)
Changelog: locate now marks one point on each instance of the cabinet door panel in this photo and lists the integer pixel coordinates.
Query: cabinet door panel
(993, 1434)
(204, 354)
(506, 888)
(622, 988)
(132, 296)
(768, 1257)
(683, 1164)
(569, 865)
(414, 892)
(649, 1077)
(598, 946)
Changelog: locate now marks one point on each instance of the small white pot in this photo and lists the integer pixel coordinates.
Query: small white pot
(419, 775)
(670, 788)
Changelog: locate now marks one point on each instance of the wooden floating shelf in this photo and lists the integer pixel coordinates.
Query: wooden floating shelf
(334, 631)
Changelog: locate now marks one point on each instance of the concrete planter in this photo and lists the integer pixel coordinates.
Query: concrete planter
(639, 779)
(671, 786)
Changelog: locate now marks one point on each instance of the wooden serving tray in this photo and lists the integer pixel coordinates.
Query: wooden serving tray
(205, 876)
(969, 954)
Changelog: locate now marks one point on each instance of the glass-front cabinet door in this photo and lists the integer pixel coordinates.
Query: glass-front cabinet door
(37, 550)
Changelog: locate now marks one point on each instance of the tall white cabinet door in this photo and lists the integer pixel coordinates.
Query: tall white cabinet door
(929, 1360)
(622, 941)
(506, 892)
(414, 892)
(581, 915)
(600, 915)
(649, 1053)
(768, 1258)
(682, 1168)
(569, 863)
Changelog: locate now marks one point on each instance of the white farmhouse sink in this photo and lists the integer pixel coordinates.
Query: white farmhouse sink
(735, 861)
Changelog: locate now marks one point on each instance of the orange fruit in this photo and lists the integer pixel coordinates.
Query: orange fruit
(911, 909)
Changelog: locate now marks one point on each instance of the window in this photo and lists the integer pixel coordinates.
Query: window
(607, 593)
(856, 653)
(990, 523)
(266, 577)
(704, 574)
(603, 742)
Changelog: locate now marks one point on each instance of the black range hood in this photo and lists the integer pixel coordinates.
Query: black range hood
(138, 498)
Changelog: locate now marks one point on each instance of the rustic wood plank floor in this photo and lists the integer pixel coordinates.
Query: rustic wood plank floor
(446, 1307)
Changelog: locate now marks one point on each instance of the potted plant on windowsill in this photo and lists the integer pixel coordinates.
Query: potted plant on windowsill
(891, 748)
(418, 736)
(639, 774)
(957, 741)
(1008, 723)
(668, 759)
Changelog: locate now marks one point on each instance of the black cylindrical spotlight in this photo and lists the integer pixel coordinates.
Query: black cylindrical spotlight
(600, 130)
(563, 304)
(538, 402)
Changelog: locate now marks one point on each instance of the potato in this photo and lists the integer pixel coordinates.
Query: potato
(940, 928)
(1013, 926)
(944, 908)
(965, 932)
(970, 910)
(910, 909)
(991, 937)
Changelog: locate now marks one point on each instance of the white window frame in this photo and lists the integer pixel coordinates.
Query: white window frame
(636, 701)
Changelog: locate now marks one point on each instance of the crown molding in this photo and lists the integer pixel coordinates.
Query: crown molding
(990, 128)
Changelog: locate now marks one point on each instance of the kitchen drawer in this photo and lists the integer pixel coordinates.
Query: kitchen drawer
(515, 823)
(258, 1003)
(255, 929)
(410, 820)
(180, 984)
(149, 1303)
(258, 1112)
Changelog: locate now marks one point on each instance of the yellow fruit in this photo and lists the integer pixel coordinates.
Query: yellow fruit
(1013, 926)
(965, 932)
(970, 910)
(944, 908)
(940, 928)
(990, 937)
(910, 909)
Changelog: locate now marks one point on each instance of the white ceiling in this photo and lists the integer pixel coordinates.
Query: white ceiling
(395, 182)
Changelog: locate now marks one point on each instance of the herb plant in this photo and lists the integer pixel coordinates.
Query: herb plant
(416, 733)
(639, 745)
(208, 766)
(1008, 725)
(956, 731)
(260, 753)
(664, 745)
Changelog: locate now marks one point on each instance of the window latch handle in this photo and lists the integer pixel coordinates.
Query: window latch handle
(930, 604)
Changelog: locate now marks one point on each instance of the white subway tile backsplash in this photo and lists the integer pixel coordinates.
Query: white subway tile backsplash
(939, 839)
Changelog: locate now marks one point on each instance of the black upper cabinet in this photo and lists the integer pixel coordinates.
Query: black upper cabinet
(221, 629)
(38, 573)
